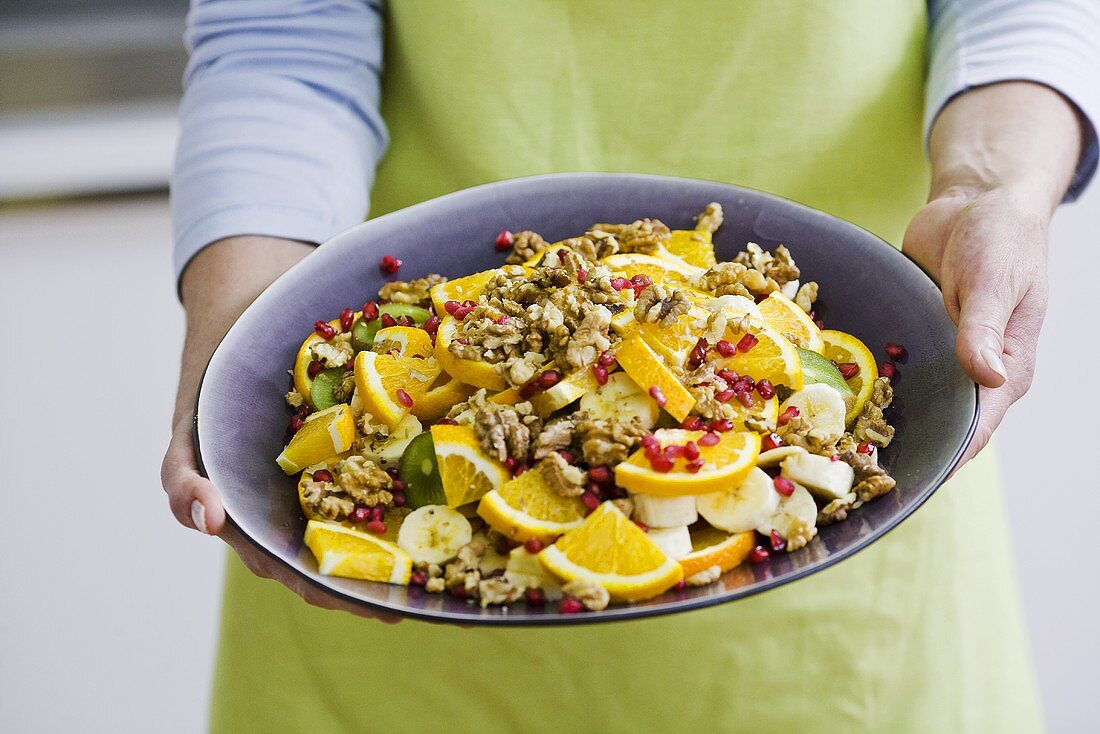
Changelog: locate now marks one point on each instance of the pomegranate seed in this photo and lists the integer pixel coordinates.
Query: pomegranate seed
(680, 585)
(296, 423)
(784, 486)
(787, 416)
(462, 340)
(691, 451)
(694, 466)
(533, 596)
(324, 330)
(361, 514)
(710, 439)
(524, 466)
(819, 324)
(406, 321)
(526, 391)
(533, 546)
(377, 513)
(600, 372)
(458, 592)
(388, 321)
(759, 554)
(322, 475)
(698, 353)
(376, 527)
(389, 264)
(778, 544)
(446, 422)
(896, 352)
(404, 398)
(722, 425)
(725, 348)
(582, 275)
(744, 383)
(728, 375)
(596, 489)
(692, 423)
(569, 605)
(431, 325)
(399, 498)
(888, 370)
(747, 342)
(370, 311)
(510, 463)
(393, 472)
(658, 395)
(568, 456)
(620, 284)
(599, 474)
(848, 369)
(650, 441)
(314, 368)
(641, 279)
(451, 306)
(607, 358)
(548, 379)
(417, 578)
(771, 441)
(642, 525)
(590, 501)
(397, 485)
(501, 320)
(834, 457)
(662, 463)
(863, 448)
(746, 399)
(766, 389)
(347, 316)
(303, 410)
(504, 240)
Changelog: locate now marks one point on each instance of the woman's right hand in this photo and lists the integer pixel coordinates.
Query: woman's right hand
(218, 284)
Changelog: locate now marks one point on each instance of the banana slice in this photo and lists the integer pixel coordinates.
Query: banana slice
(664, 512)
(620, 399)
(675, 542)
(743, 508)
(773, 457)
(819, 474)
(822, 405)
(526, 570)
(795, 519)
(433, 534)
(734, 307)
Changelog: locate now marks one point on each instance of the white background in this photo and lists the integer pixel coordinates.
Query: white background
(108, 610)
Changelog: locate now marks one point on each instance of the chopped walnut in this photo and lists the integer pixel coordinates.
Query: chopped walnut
(434, 575)
(871, 426)
(593, 596)
(342, 390)
(506, 430)
(294, 399)
(707, 576)
(589, 340)
(641, 235)
(836, 510)
(519, 371)
(363, 481)
(413, 292)
(806, 295)
(779, 267)
(555, 435)
(593, 245)
(564, 478)
(335, 353)
(711, 218)
(525, 245)
(799, 431)
(759, 424)
(871, 480)
(734, 279)
(799, 534)
(606, 442)
(499, 590)
(657, 304)
(324, 499)
(463, 571)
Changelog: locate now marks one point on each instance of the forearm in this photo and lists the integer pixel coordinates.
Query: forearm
(217, 286)
(1019, 137)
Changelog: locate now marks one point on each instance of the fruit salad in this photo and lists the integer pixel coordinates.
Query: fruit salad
(598, 420)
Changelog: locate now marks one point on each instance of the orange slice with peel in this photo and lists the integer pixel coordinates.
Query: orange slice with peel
(692, 246)
(788, 318)
(724, 460)
(471, 371)
(435, 403)
(769, 355)
(330, 432)
(467, 288)
(408, 340)
(526, 507)
(668, 271)
(341, 551)
(843, 348)
(466, 472)
(610, 550)
(713, 547)
(303, 383)
(388, 385)
(647, 369)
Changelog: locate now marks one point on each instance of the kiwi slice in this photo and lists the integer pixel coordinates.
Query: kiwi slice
(362, 334)
(320, 392)
(819, 369)
(420, 473)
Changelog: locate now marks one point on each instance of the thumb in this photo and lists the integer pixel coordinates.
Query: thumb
(983, 316)
(192, 497)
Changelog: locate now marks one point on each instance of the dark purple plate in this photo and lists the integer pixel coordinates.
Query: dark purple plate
(868, 288)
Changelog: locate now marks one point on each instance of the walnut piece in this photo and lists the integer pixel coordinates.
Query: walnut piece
(710, 219)
(555, 436)
(525, 245)
(871, 480)
(799, 431)
(364, 481)
(294, 399)
(836, 510)
(779, 267)
(335, 353)
(657, 304)
(498, 590)
(641, 235)
(806, 295)
(593, 596)
(463, 571)
(734, 279)
(564, 478)
(800, 533)
(324, 499)
(871, 425)
(605, 442)
(506, 430)
(413, 292)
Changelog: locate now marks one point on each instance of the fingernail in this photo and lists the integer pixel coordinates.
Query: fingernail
(993, 362)
(198, 516)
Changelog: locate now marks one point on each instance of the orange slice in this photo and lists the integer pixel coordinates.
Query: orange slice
(435, 403)
(466, 472)
(725, 464)
(569, 388)
(692, 246)
(341, 551)
(668, 271)
(470, 371)
(388, 385)
(714, 547)
(467, 288)
(325, 435)
(788, 318)
(526, 507)
(842, 348)
(643, 365)
(409, 341)
(763, 410)
(303, 383)
(610, 550)
(773, 357)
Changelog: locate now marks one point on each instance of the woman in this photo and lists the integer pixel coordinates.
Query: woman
(281, 132)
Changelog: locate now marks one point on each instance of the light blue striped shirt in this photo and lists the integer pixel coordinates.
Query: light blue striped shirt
(280, 129)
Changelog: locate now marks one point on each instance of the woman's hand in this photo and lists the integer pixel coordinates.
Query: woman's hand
(1002, 157)
(217, 286)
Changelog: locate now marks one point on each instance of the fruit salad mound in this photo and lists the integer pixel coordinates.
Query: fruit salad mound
(598, 420)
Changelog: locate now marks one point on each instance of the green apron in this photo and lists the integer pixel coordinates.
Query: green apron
(818, 101)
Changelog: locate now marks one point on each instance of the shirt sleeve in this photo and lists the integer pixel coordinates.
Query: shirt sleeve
(279, 124)
(1051, 42)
